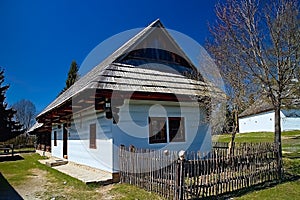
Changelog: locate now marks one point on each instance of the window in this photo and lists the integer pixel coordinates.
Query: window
(55, 138)
(93, 136)
(176, 129)
(176, 62)
(157, 130)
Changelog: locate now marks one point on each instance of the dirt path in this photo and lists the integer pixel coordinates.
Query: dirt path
(35, 185)
(38, 181)
(104, 190)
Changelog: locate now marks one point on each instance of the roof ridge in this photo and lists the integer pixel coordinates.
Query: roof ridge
(259, 106)
(89, 80)
(108, 60)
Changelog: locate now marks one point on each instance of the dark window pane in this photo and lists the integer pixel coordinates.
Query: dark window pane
(176, 129)
(157, 130)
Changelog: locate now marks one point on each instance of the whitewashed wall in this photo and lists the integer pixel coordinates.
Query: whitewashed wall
(78, 141)
(265, 122)
(257, 123)
(57, 151)
(133, 128)
(290, 123)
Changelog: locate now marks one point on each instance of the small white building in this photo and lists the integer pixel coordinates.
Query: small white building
(260, 117)
(147, 94)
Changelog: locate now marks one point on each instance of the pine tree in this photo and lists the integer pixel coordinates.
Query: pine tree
(73, 76)
(8, 127)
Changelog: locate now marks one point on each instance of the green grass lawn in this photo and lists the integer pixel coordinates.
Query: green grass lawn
(289, 189)
(129, 192)
(60, 186)
(19, 172)
(246, 137)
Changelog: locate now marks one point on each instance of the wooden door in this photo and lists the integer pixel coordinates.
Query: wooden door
(65, 141)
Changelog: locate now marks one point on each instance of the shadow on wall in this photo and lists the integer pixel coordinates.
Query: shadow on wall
(7, 191)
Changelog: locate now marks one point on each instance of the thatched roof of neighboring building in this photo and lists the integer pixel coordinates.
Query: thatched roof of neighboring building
(289, 109)
(259, 106)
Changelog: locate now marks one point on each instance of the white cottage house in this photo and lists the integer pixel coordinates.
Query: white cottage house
(260, 117)
(147, 94)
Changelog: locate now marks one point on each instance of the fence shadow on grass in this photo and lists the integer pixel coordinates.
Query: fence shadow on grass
(7, 191)
(238, 193)
(7, 158)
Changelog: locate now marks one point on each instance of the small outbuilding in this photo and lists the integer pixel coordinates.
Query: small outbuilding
(146, 94)
(43, 136)
(260, 117)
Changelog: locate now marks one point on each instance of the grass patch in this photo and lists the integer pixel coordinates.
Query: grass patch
(257, 137)
(246, 137)
(291, 133)
(129, 192)
(290, 188)
(25, 150)
(292, 166)
(58, 185)
(19, 172)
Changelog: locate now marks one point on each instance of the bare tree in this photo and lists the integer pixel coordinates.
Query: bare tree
(25, 113)
(259, 41)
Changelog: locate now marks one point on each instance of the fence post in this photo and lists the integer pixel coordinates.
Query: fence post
(12, 150)
(180, 179)
(180, 175)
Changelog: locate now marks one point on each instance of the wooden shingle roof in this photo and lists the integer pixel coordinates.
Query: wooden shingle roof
(112, 75)
(34, 127)
(259, 106)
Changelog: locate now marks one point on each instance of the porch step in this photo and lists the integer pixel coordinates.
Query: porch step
(56, 162)
(81, 172)
(86, 174)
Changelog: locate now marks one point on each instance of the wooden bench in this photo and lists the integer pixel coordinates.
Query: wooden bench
(7, 149)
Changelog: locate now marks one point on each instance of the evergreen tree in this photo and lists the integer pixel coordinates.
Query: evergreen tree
(73, 76)
(8, 127)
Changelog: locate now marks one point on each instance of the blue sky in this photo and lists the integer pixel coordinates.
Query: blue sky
(39, 39)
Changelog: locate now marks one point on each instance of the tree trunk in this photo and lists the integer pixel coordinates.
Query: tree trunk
(278, 140)
(234, 131)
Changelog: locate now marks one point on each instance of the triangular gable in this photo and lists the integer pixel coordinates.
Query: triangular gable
(92, 76)
(158, 38)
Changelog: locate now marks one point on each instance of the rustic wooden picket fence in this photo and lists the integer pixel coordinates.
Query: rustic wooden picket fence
(199, 175)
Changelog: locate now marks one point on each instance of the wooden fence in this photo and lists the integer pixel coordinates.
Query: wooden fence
(199, 175)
